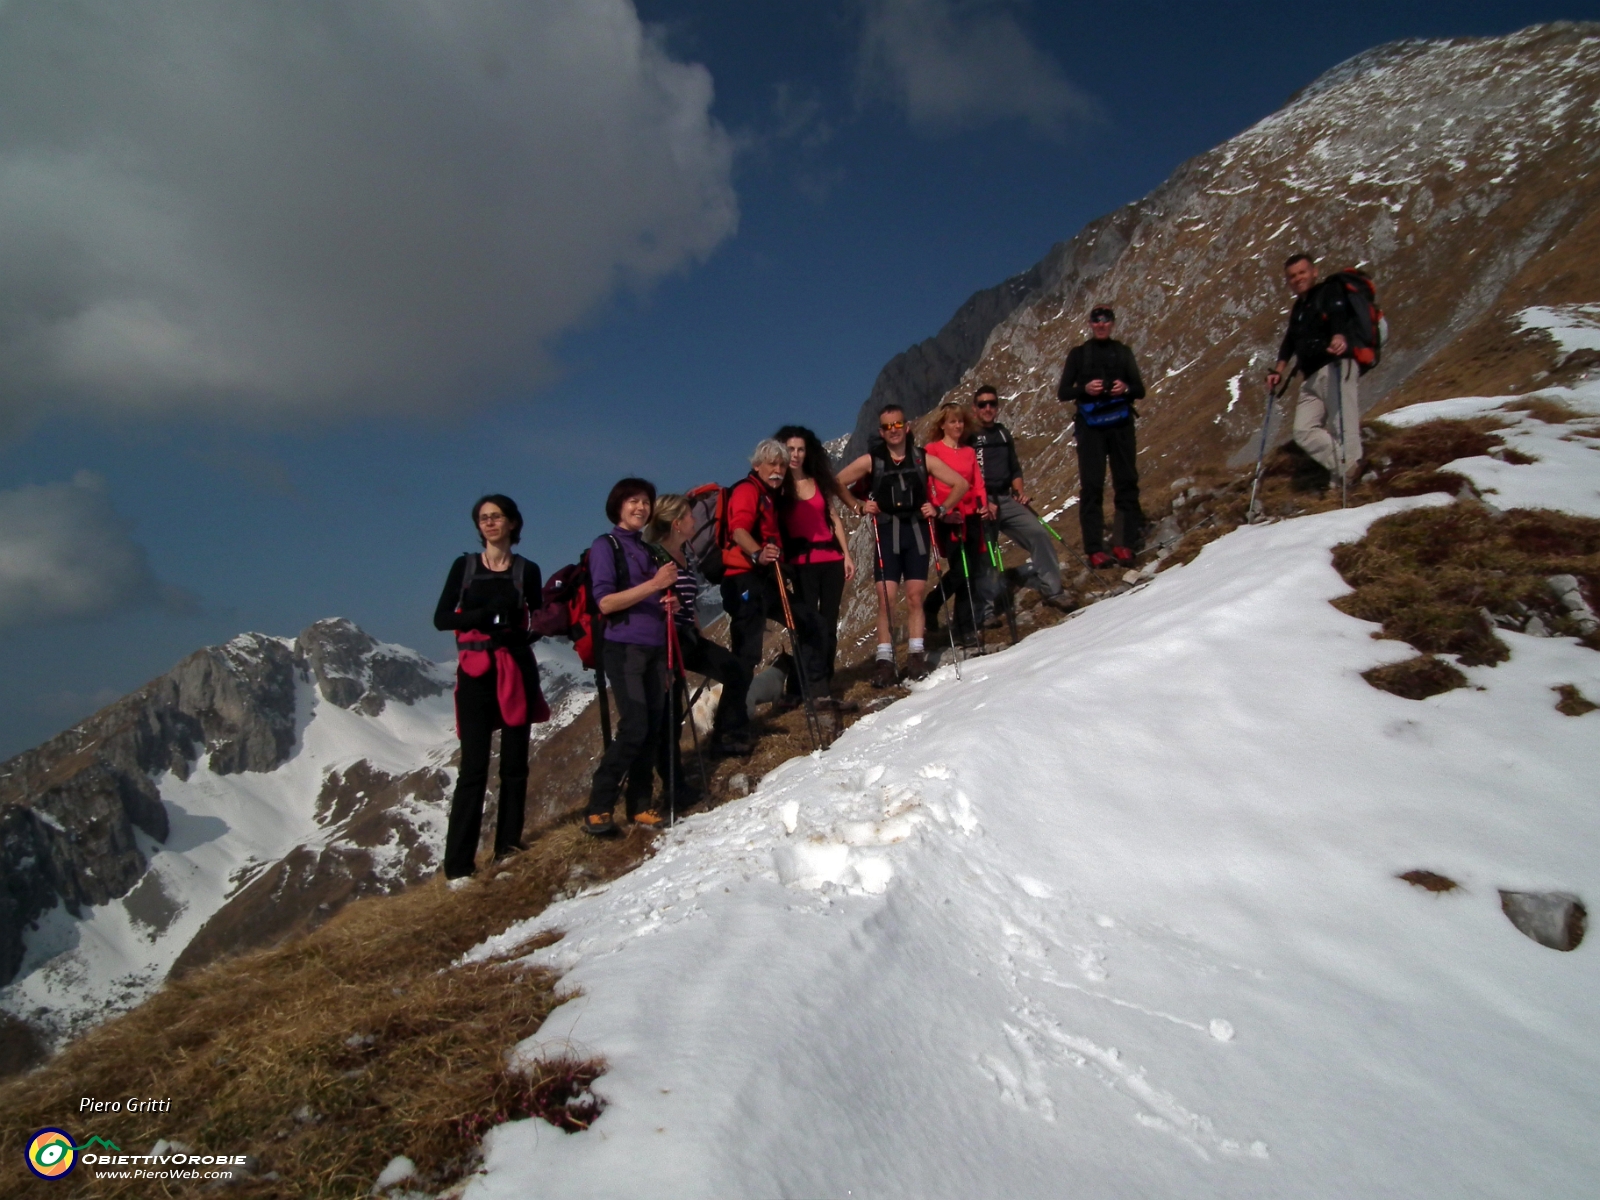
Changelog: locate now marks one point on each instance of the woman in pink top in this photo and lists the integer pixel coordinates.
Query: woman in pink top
(816, 552)
(962, 538)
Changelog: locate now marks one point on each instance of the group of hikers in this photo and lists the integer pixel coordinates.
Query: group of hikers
(782, 554)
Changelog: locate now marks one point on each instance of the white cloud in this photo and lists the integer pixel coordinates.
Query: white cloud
(954, 65)
(66, 555)
(311, 207)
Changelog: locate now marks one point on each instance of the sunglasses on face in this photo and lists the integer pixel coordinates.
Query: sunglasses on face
(1101, 321)
(892, 426)
(987, 404)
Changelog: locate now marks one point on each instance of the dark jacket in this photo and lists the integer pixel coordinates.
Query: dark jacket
(1313, 321)
(490, 605)
(1108, 361)
(997, 459)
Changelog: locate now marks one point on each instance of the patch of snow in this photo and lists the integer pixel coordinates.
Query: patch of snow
(1115, 915)
(1572, 326)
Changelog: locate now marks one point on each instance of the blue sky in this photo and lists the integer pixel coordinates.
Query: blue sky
(287, 290)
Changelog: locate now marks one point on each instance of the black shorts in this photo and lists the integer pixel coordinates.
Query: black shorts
(909, 564)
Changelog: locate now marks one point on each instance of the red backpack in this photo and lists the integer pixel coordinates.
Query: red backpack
(1367, 326)
(709, 505)
(568, 606)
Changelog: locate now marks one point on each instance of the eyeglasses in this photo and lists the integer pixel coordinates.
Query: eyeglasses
(987, 404)
(1102, 321)
(892, 426)
(490, 519)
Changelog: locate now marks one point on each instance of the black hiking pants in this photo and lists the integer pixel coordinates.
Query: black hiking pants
(750, 600)
(1113, 444)
(819, 587)
(637, 679)
(966, 574)
(701, 656)
(478, 715)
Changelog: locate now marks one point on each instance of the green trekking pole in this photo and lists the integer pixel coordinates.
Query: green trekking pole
(966, 579)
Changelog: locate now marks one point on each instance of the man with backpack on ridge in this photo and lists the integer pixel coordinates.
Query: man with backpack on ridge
(894, 474)
(1102, 377)
(1008, 501)
(1325, 339)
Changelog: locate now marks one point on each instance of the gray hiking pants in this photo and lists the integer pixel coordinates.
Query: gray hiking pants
(1329, 400)
(1027, 531)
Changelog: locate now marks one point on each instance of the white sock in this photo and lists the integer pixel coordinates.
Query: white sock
(916, 645)
(886, 651)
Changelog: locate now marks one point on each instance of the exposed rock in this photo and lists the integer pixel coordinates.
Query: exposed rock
(355, 671)
(1447, 168)
(21, 1048)
(1554, 919)
(1569, 592)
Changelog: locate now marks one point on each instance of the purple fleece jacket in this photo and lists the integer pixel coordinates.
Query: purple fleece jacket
(645, 624)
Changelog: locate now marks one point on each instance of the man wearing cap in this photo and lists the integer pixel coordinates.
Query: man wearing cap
(1102, 378)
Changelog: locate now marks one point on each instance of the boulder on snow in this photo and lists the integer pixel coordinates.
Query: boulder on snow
(1554, 919)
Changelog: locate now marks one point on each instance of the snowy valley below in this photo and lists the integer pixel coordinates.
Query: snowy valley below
(1117, 912)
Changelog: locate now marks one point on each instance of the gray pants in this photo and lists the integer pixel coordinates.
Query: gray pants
(1027, 531)
(1318, 420)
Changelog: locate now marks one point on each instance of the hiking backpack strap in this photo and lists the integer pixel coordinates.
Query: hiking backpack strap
(619, 564)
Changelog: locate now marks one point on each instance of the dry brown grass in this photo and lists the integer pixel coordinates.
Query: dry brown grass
(1429, 576)
(1572, 702)
(1429, 881)
(1541, 408)
(1416, 678)
(327, 1056)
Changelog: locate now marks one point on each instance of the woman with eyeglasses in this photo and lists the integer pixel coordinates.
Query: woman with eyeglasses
(895, 475)
(816, 548)
(485, 602)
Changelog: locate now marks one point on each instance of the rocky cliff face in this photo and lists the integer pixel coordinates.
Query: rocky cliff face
(1463, 174)
(69, 808)
(1460, 172)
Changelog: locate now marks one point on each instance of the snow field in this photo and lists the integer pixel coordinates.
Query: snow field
(1116, 915)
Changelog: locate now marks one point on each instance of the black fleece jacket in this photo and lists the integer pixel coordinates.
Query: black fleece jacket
(1315, 318)
(1107, 360)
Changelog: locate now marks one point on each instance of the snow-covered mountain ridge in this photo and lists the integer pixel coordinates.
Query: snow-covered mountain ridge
(1117, 913)
(245, 795)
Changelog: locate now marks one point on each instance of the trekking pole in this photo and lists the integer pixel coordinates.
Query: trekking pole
(674, 665)
(1252, 512)
(1076, 553)
(1338, 406)
(1002, 587)
(813, 723)
(972, 607)
(950, 624)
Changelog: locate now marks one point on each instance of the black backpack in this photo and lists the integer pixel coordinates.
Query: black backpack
(892, 483)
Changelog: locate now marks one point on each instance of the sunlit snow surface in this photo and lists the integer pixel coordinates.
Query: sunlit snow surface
(1116, 914)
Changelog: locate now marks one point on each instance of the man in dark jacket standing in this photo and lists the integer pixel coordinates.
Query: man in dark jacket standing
(1317, 341)
(1008, 501)
(1103, 379)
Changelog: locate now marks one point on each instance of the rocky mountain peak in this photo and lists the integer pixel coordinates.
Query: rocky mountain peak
(354, 670)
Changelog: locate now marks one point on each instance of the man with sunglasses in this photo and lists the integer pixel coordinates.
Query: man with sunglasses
(1008, 502)
(895, 475)
(1103, 379)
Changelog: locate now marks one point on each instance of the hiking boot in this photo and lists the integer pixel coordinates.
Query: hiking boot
(649, 818)
(837, 704)
(786, 703)
(1061, 602)
(733, 745)
(1123, 555)
(916, 665)
(883, 673)
(599, 824)
(1099, 560)
(514, 848)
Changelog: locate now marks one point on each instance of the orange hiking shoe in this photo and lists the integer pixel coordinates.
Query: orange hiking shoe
(650, 819)
(598, 824)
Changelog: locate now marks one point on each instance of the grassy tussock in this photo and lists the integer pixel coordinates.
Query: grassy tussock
(1416, 678)
(1430, 576)
(329, 1055)
(1551, 412)
(1572, 702)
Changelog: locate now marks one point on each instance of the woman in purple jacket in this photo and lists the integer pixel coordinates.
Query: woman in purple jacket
(634, 607)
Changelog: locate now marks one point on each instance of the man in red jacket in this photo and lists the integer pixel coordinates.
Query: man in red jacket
(750, 579)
